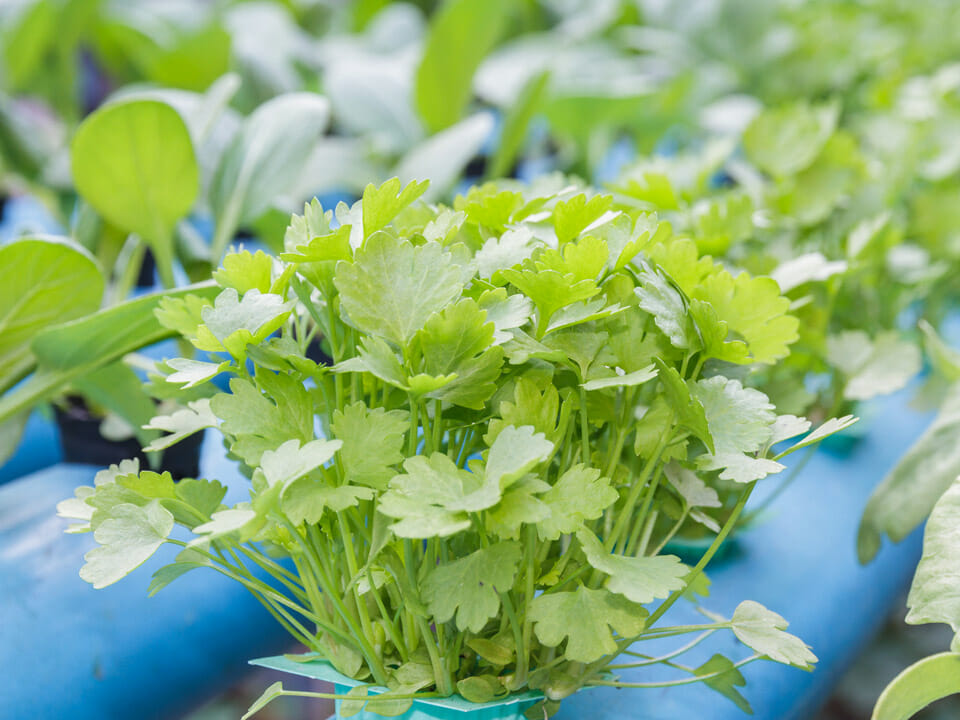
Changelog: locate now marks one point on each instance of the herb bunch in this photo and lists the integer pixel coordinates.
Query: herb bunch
(528, 395)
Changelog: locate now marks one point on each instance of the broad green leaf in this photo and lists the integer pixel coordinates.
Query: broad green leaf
(461, 33)
(921, 684)
(639, 579)
(470, 586)
(516, 124)
(43, 281)
(128, 536)
(454, 335)
(393, 287)
(935, 593)
(579, 495)
(763, 631)
(909, 492)
(438, 481)
(134, 162)
(480, 688)
(119, 391)
(264, 161)
(69, 350)
(372, 443)
(585, 617)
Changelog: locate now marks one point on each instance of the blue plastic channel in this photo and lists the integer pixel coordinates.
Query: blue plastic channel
(799, 560)
(68, 650)
(39, 448)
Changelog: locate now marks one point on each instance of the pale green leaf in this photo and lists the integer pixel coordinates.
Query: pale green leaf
(640, 579)
(128, 536)
(763, 631)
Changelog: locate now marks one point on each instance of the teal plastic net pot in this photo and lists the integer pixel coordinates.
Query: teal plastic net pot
(451, 708)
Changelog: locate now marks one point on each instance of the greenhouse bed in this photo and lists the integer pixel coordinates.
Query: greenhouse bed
(120, 654)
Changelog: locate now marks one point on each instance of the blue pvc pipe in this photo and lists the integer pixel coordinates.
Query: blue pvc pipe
(69, 651)
(39, 448)
(800, 561)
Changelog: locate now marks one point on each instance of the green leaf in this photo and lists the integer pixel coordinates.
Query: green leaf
(515, 452)
(69, 350)
(518, 507)
(585, 617)
(461, 34)
(639, 579)
(516, 124)
(393, 287)
(192, 372)
(935, 593)
(43, 281)
(871, 368)
(726, 679)
(830, 427)
(686, 408)
(264, 161)
(233, 322)
(290, 461)
(573, 216)
(783, 141)
(381, 204)
(471, 585)
(909, 492)
(763, 631)
(741, 422)
(924, 682)
(128, 536)
(372, 443)
(268, 696)
(579, 495)
(659, 298)
(306, 500)
(181, 424)
(244, 271)
(480, 688)
(133, 161)
(753, 310)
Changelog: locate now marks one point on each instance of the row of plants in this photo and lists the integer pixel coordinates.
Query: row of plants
(845, 200)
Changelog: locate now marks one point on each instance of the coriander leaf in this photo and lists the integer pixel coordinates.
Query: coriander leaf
(515, 452)
(454, 335)
(763, 631)
(381, 204)
(244, 271)
(872, 368)
(372, 443)
(585, 617)
(659, 298)
(694, 491)
(505, 251)
(505, 312)
(935, 592)
(236, 322)
(571, 217)
(549, 290)
(831, 426)
(785, 140)
(529, 407)
(128, 536)
(305, 500)
(726, 679)
(438, 481)
(518, 507)
(225, 522)
(685, 407)
(754, 309)
(470, 586)
(419, 520)
(640, 579)
(633, 379)
(290, 461)
(192, 372)
(181, 424)
(377, 358)
(580, 494)
(392, 287)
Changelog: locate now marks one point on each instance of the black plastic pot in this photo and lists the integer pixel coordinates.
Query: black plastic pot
(82, 443)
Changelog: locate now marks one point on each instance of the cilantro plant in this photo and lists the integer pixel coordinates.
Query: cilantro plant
(476, 495)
